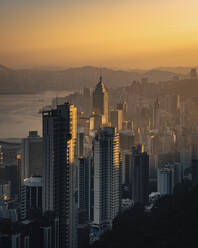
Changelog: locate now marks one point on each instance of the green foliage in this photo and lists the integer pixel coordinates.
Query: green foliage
(173, 222)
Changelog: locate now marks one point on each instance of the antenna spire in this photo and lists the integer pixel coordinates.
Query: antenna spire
(100, 74)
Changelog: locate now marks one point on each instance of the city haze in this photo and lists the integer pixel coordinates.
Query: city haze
(119, 34)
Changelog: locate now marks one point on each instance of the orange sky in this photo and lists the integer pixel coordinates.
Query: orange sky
(114, 33)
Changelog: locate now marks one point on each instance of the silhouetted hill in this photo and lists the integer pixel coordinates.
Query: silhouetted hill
(4, 69)
(159, 75)
(37, 80)
(173, 222)
(179, 70)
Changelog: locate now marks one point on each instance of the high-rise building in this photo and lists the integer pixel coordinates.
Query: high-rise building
(116, 119)
(193, 73)
(123, 106)
(165, 181)
(127, 140)
(126, 168)
(140, 175)
(31, 196)
(80, 143)
(107, 177)
(156, 115)
(59, 170)
(31, 160)
(85, 168)
(96, 121)
(167, 177)
(18, 177)
(100, 100)
(87, 101)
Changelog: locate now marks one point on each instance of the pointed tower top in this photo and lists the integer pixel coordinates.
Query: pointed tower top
(100, 74)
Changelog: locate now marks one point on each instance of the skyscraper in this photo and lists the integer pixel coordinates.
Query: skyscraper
(107, 176)
(100, 100)
(31, 157)
(85, 184)
(156, 115)
(116, 119)
(124, 107)
(31, 196)
(168, 176)
(59, 185)
(140, 175)
(193, 74)
(165, 181)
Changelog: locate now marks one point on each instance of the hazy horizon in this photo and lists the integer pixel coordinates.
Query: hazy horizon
(118, 34)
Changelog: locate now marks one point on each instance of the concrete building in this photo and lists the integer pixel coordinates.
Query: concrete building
(107, 177)
(85, 185)
(31, 156)
(59, 170)
(124, 107)
(140, 175)
(167, 177)
(156, 115)
(100, 100)
(31, 196)
(116, 119)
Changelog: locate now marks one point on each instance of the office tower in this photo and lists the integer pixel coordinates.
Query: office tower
(165, 181)
(80, 151)
(31, 197)
(107, 177)
(126, 168)
(31, 161)
(123, 106)
(127, 140)
(116, 119)
(96, 121)
(87, 101)
(85, 168)
(18, 177)
(100, 100)
(127, 125)
(156, 115)
(59, 170)
(193, 74)
(140, 175)
(168, 176)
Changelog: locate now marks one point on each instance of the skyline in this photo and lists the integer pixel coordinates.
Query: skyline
(122, 34)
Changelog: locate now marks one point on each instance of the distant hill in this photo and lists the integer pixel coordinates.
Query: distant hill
(179, 70)
(37, 80)
(161, 75)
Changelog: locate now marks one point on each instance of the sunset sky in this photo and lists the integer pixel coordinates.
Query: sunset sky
(114, 33)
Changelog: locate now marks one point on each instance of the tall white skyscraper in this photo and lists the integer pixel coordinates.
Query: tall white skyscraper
(107, 176)
(59, 182)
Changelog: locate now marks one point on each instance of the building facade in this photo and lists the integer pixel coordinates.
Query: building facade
(31, 157)
(107, 176)
(59, 170)
(100, 101)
